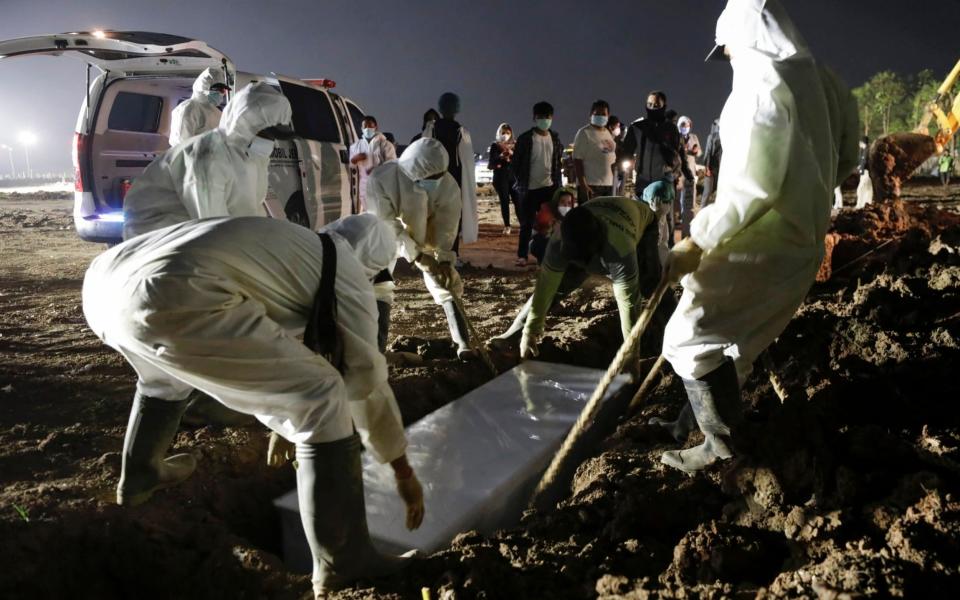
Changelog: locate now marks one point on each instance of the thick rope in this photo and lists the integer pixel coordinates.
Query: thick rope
(475, 341)
(586, 416)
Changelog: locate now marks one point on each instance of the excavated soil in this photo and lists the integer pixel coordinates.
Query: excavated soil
(847, 489)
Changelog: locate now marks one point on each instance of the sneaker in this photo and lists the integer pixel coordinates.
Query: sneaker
(507, 230)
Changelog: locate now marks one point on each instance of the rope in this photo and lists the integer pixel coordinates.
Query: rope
(475, 337)
(589, 411)
(775, 381)
(646, 385)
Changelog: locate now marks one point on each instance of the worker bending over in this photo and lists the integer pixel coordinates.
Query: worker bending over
(219, 173)
(790, 134)
(615, 237)
(215, 305)
(421, 201)
(200, 112)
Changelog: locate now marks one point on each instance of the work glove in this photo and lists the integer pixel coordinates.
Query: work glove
(428, 264)
(455, 285)
(684, 258)
(411, 492)
(529, 345)
(279, 450)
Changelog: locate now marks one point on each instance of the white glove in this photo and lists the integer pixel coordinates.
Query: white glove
(529, 345)
(279, 450)
(684, 258)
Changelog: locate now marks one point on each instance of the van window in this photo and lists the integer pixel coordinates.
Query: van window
(313, 116)
(356, 115)
(135, 112)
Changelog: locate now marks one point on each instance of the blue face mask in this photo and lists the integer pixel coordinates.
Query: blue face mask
(216, 98)
(685, 131)
(368, 133)
(428, 185)
(599, 120)
(544, 124)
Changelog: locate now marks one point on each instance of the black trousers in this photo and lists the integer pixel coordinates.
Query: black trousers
(599, 191)
(529, 205)
(508, 195)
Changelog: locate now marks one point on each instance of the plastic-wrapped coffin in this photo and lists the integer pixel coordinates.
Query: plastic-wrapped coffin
(478, 459)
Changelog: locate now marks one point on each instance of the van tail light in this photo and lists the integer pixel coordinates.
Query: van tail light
(324, 83)
(79, 146)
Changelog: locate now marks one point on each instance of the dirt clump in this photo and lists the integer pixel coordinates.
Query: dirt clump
(894, 158)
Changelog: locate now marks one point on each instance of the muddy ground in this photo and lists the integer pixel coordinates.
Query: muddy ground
(849, 487)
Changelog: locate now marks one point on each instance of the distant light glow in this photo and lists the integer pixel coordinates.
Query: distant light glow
(27, 138)
(626, 165)
(99, 34)
(113, 217)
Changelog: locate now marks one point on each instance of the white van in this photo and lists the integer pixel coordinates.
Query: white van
(124, 124)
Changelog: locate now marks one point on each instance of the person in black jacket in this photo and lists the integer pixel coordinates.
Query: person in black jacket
(429, 118)
(711, 160)
(655, 143)
(536, 172)
(501, 157)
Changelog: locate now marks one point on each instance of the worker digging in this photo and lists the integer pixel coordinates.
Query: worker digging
(693, 371)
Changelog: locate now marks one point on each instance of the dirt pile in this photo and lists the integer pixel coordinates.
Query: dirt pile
(850, 487)
(894, 158)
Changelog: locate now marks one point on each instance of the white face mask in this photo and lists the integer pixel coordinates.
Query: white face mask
(503, 137)
(563, 210)
(428, 185)
(616, 131)
(261, 146)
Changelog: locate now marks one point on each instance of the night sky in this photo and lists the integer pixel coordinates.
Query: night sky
(396, 57)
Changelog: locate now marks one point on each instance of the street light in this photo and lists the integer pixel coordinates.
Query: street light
(13, 169)
(27, 138)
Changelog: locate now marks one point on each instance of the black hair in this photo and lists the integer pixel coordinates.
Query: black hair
(599, 104)
(542, 109)
(370, 118)
(582, 234)
(613, 121)
(658, 94)
(431, 112)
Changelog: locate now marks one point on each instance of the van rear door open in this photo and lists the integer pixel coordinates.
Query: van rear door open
(125, 114)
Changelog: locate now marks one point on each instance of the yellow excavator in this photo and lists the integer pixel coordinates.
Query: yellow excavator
(894, 158)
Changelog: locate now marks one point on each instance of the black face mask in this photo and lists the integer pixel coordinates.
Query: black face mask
(656, 114)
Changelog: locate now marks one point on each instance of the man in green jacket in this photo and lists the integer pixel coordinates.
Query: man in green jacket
(614, 237)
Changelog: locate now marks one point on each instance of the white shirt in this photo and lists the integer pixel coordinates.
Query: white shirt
(541, 157)
(596, 148)
(378, 150)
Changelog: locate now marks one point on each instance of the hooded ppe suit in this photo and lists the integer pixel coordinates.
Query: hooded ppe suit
(216, 304)
(199, 113)
(424, 221)
(214, 174)
(791, 127)
(378, 150)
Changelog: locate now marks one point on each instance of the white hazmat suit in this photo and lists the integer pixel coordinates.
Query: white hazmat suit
(216, 304)
(378, 150)
(199, 113)
(425, 221)
(791, 127)
(220, 173)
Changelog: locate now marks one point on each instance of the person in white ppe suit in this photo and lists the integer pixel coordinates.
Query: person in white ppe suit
(791, 133)
(201, 112)
(215, 305)
(219, 173)
(421, 201)
(369, 152)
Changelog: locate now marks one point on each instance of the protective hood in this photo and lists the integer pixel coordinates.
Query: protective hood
(373, 240)
(210, 77)
(685, 122)
(253, 109)
(762, 26)
(424, 158)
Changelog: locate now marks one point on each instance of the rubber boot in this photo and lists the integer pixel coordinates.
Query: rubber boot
(680, 427)
(383, 325)
(152, 427)
(204, 410)
(330, 493)
(458, 330)
(715, 400)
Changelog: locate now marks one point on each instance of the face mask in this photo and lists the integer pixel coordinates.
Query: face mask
(428, 185)
(368, 133)
(616, 131)
(599, 120)
(563, 210)
(216, 98)
(261, 146)
(544, 124)
(503, 137)
(685, 130)
(656, 114)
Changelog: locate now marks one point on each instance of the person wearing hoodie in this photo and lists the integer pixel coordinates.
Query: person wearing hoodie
(501, 154)
(201, 112)
(790, 131)
(370, 151)
(688, 193)
(421, 201)
(215, 305)
(220, 173)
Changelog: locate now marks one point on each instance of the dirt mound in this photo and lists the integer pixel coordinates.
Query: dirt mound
(893, 159)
